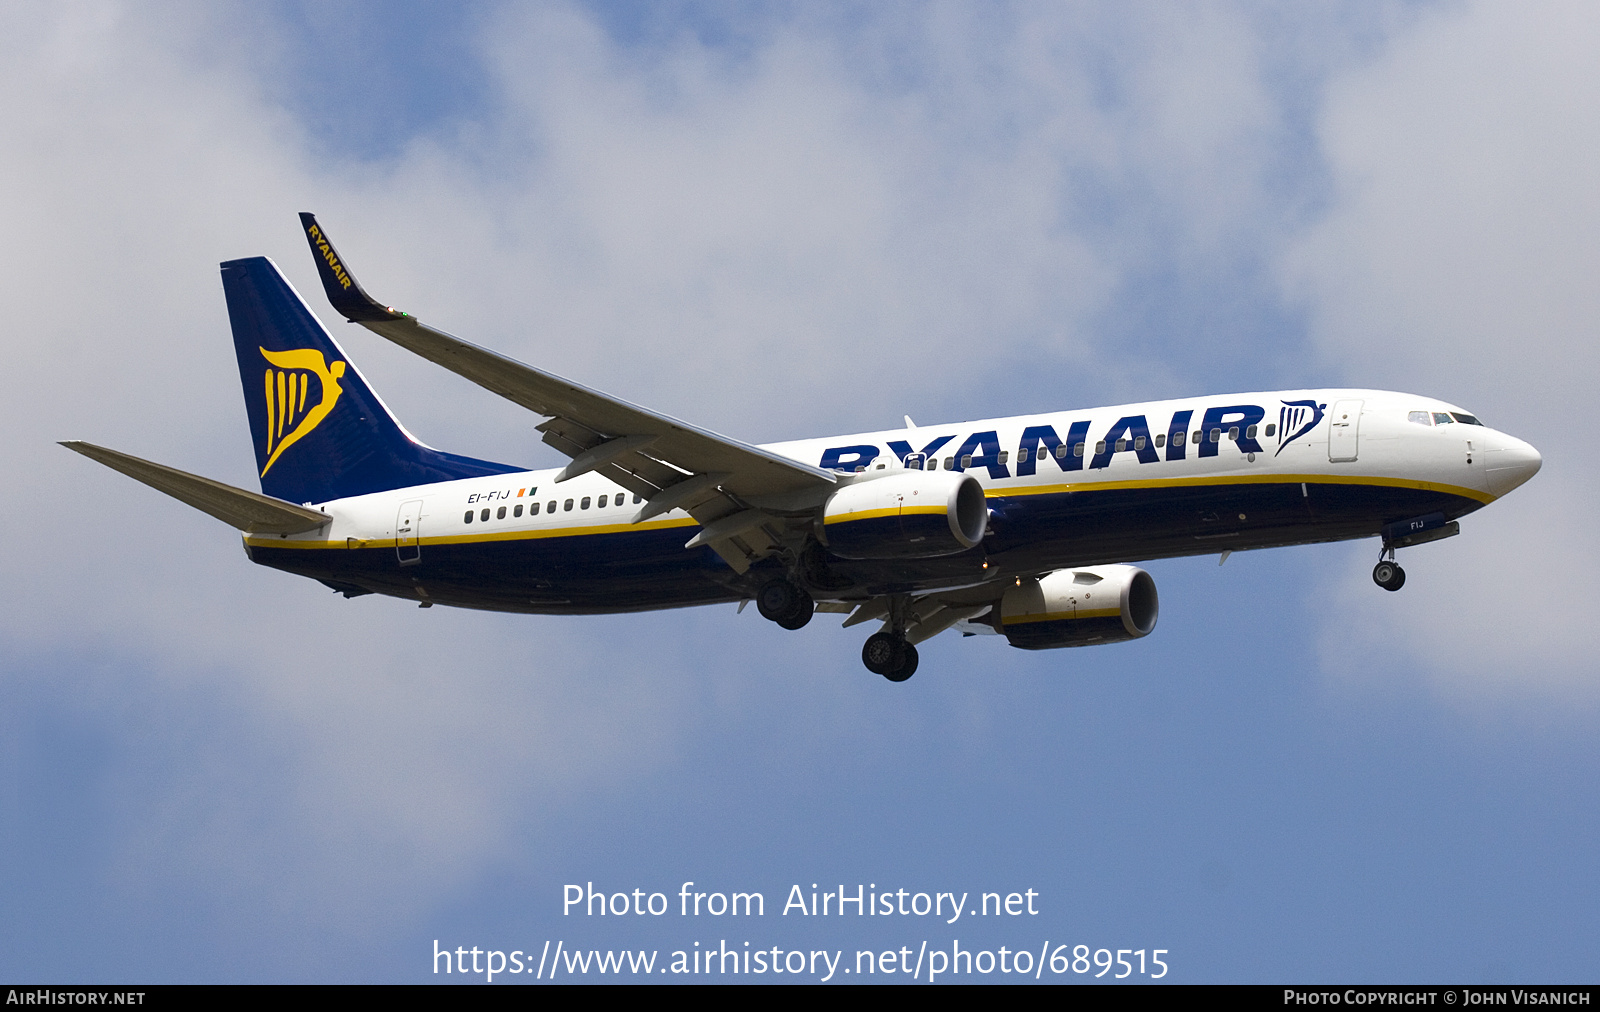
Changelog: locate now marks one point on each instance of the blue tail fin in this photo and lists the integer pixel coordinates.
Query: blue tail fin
(320, 432)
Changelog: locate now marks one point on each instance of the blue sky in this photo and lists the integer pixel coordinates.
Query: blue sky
(784, 221)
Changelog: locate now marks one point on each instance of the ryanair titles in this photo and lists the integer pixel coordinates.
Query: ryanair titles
(1239, 424)
(328, 255)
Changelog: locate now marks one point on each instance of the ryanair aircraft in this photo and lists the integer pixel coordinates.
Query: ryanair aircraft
(1021, 527)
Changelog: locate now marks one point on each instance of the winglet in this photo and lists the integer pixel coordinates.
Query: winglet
(343, 291)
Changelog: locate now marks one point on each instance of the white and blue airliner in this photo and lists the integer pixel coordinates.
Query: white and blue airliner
(1023, 527)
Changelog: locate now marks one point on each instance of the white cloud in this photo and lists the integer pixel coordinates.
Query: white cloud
(1458, 259)
(812, 231)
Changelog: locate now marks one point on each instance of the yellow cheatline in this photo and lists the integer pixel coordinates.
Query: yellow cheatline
(1245, 479)
(465, 539)
(888, 511)
(1062, 616)
(892, 511)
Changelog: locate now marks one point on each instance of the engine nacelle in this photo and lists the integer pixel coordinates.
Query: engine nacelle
(906, 515)
(1080, 607)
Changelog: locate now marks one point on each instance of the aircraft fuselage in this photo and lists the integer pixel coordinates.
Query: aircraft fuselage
(1077, 488)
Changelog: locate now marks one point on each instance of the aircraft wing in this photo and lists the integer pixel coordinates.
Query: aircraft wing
(250, 512)
(668, 462)
(928, 615)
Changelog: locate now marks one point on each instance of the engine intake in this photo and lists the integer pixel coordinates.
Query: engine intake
(906, 515)
(1080, 607)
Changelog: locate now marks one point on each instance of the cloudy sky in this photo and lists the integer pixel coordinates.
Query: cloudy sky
(784, 221)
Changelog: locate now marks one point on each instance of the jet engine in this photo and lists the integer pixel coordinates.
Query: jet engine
(906, 515)
(1079, 607)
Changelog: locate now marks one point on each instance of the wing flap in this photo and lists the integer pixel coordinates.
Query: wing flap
(250, 512)
(754, 471)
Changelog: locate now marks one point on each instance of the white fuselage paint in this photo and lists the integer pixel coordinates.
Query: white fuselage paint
(1473, 460)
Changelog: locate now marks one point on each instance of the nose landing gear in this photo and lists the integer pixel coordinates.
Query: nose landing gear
(1387, 573)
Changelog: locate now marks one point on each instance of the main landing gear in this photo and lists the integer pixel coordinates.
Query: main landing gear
(889, 655)
(1387, 573)
(785, 602)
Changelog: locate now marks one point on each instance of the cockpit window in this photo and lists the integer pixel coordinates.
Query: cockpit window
(1420, 417)
(1441, 418)
(1464, 418)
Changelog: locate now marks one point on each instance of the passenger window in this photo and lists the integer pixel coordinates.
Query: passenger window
(567, 506)
(638, 499)
(550, 507)
(533, 509)
(1197, 437)
(1178, 438)
(1122, 444)
(1061, 451)
(1004, 456)
(1161, 440)
(1233, 433)
(485, 514)
(585, 503)
(517, 511)
(1216, 435)
(1138, 442)
(500, 514)
(1272, 429)
(949, 463)
(602, 503)
(1024, 455)
(468, 518)
(1250, 433)
(1077, 451)
(966, 460)
(1100, 447)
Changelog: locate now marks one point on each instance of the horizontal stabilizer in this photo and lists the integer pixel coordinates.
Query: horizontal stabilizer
(250, 512)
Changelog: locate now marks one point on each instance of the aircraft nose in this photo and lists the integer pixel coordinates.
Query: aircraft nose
(1516, 463)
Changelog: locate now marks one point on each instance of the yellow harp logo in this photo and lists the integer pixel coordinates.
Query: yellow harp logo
(288, 418)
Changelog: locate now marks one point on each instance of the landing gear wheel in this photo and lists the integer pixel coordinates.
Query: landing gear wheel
(776, 599)
(785, 603)
(799, 617)
(908, 665)
(890, 656)
(1389, 575)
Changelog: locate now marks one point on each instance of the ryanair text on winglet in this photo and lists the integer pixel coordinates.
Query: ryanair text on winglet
(327, 254)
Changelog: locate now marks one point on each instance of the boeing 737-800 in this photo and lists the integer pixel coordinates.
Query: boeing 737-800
(1023, 527)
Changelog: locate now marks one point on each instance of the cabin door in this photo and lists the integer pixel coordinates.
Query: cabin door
(1344, 430)
(408, 533)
